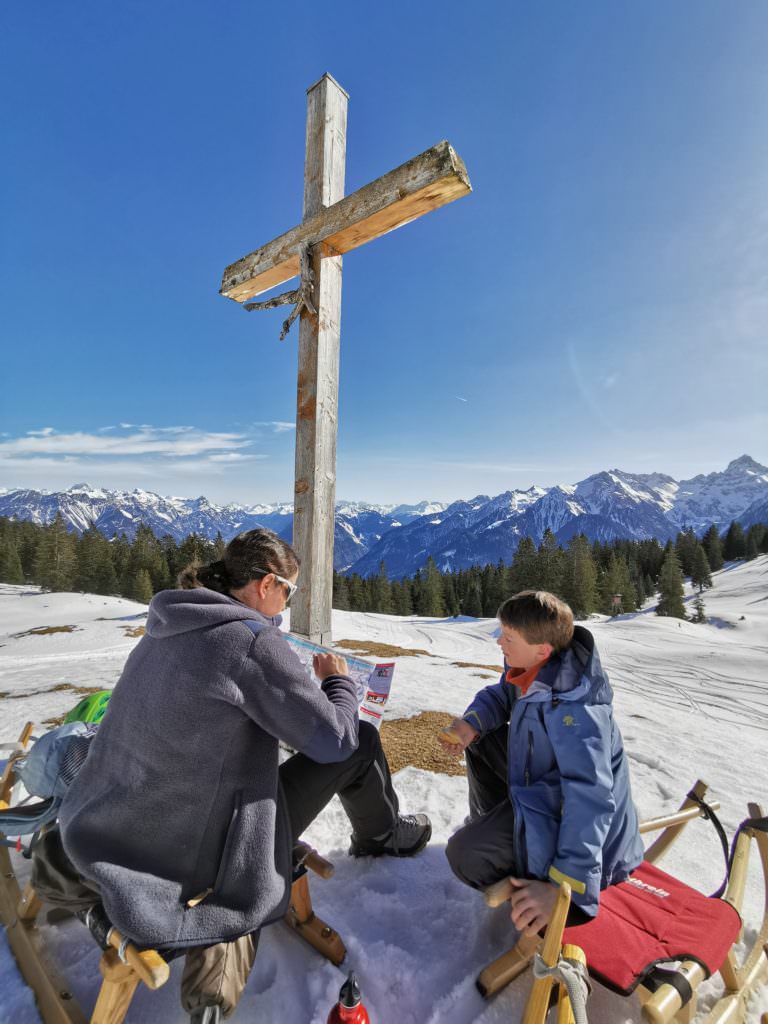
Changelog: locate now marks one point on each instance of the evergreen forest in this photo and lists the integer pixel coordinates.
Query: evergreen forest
(590, 576)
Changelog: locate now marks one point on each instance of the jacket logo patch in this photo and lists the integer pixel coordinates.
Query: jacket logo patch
(569, 720)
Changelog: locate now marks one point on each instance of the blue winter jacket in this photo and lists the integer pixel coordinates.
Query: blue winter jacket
(568, 774)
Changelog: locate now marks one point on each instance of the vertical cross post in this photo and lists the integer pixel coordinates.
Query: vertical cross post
(318, 375)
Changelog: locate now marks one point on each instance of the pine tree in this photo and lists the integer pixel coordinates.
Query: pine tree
(401, 597)
(616, 582)
(735, 544)
(340, 593)
(382, 594)
(751, 549)
(759, 533)
(56, 561)
(685, 548)
(27, 535)
(713, 548)
(106, 577)
(671, 587)
(121, 552)
(142, 587)
(430, 598)
(523, 574)
(473, 601)
(580, 579)
(10, 564)
(172, 558)
(550, 564)
(356, 593)
(450, 598)
(699, 614)
(87, 551)
(147, 553)
(493, 578)
(700, 574)
(195, 549)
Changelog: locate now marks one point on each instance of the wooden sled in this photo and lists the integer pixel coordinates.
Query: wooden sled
(673, 1000)
(123, 966)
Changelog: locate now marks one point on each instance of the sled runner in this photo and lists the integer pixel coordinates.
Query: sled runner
(654, 934)
(122, 964)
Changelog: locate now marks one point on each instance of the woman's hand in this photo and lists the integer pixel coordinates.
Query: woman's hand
(326, 665)
(532, 904)
(457, 737)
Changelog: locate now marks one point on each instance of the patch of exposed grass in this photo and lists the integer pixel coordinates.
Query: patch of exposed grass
(482, 675)
(120, 618)
(474, 664)
(45, 631)
(371, 648)
(414, 741)
(134, 630)
(53, 723)
(82, 691)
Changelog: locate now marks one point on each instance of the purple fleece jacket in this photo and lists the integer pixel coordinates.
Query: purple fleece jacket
(180, 792)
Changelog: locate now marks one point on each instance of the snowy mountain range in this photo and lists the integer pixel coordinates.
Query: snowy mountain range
(605, 506)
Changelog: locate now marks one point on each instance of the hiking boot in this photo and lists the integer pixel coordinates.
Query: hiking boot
(411, 833)
(206, 1014)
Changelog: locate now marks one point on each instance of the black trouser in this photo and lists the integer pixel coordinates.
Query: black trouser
(363, 782)
(481, 852)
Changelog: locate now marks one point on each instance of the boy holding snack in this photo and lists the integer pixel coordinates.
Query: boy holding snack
(549, 792)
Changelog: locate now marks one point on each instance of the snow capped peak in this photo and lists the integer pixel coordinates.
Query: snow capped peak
(744, 465)
(606, 505)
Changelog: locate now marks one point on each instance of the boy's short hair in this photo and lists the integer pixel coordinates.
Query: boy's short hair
(540, 618)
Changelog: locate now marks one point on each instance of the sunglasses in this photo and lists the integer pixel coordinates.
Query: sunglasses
(290, 587)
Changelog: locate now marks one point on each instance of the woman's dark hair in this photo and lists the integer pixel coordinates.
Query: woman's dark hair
(247, 557)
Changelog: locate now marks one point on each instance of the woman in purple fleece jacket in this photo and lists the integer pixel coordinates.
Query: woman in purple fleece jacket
(182, 819)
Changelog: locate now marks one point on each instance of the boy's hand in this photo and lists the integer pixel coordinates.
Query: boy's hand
(326, 665)
(532, 904)
(457, 737)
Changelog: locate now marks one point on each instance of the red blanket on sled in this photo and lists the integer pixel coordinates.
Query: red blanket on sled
(652, 918)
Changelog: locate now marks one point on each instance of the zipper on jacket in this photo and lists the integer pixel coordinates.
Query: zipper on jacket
(226, 853)
(529, 759)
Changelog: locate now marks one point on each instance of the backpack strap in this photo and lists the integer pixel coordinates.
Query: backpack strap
(26, 819)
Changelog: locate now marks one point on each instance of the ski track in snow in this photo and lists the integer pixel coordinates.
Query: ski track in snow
(691, 700)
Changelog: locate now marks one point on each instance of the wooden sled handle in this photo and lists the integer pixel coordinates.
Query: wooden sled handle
(148, 964)
(312, 860)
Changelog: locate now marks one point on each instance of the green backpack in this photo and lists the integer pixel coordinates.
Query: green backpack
(90, 708)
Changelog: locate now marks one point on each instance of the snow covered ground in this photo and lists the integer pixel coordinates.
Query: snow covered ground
(692, 701)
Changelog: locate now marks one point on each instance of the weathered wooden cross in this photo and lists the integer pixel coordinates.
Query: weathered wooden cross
(332, 225)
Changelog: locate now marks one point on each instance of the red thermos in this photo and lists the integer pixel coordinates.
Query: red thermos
(349, 1009)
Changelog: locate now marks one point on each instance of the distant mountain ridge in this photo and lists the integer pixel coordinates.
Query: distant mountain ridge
(605, 506)
(358, 525)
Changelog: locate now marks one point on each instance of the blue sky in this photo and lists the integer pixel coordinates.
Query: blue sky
(600, 300)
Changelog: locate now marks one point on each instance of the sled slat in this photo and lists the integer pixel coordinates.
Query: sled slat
(55, 1002)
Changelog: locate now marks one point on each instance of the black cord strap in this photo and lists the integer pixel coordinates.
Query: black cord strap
(710, 815)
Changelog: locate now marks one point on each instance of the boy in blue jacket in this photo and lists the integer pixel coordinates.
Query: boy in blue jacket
(549, 792)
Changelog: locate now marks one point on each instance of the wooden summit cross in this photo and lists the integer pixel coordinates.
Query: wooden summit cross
(332, 225)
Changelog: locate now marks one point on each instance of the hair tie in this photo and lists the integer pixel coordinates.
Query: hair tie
(218, 569)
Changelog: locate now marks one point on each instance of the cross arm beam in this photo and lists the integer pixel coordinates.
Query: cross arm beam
(424, 183)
